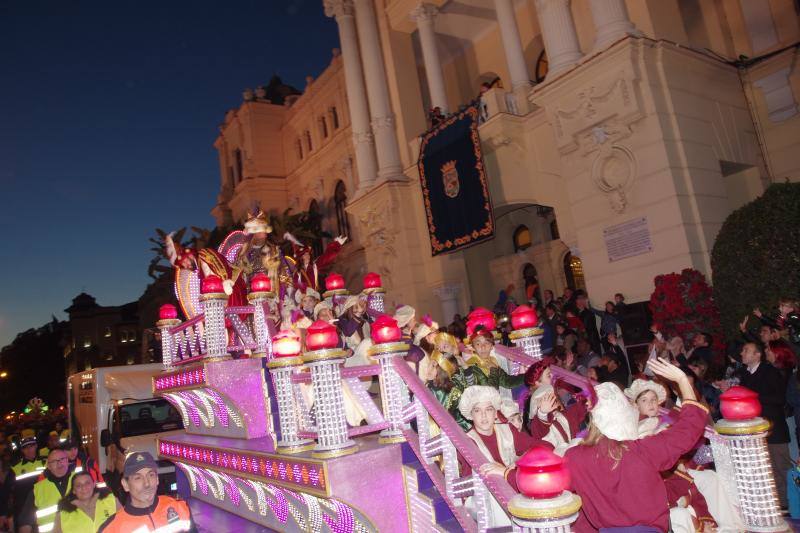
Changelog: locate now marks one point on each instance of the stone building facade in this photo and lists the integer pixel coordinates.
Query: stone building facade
(621, 136)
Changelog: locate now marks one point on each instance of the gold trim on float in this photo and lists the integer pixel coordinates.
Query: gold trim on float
(283, 362)
(388, 347)
(392, 440)
(760, 427)
(335, 292)
(324, 355)
(260, 294)
(213, 296)
(374, 290)
(298, 448)
(561, 511)
(527, 332)
(330, 454)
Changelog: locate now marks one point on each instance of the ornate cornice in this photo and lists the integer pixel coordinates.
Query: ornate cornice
(339, 8)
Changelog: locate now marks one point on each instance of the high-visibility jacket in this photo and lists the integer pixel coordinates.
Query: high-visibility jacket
(46, 497)
(166, 515)
(90, 466)
(79, 522)
(28, 469)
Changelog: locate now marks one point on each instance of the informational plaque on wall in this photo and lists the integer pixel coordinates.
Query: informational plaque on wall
(628, 239)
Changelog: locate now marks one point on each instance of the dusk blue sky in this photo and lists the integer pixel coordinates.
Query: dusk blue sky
(108, 112)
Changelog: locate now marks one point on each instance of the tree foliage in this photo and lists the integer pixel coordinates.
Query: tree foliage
(756, 257)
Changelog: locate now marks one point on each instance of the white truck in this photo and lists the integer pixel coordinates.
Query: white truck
(113, 412)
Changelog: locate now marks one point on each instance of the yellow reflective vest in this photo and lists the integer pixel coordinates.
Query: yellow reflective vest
(28, 469)
(46, 497)
(79, 522)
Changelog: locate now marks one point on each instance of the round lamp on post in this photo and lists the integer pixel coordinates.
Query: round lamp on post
(325, 360)
(387, 347)
(211, 284)
(167, 319)
(545, 503)
(373, 288)
(480, 317)
(259, 296)
(527, 334)
(334, 287)
(742, 458)
(286, 351)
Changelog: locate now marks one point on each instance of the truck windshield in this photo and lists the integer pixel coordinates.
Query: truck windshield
(152, 416)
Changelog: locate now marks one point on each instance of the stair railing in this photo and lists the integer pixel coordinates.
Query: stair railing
(443, 448)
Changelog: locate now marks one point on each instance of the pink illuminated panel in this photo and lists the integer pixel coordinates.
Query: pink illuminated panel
(175, 380)
(303, 475)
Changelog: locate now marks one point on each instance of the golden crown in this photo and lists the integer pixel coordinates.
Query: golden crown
(257, 223)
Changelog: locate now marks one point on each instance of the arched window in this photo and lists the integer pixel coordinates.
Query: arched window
(340, 201)
(573, 270)
(315, 225)
(323, 127)
(529, 277)
(334, 117)
(522, 238)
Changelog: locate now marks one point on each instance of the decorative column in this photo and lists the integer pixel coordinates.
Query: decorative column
(558, 32)
(448, 294)
(373, 289)
(260, 295)
(214, 298)
(744, 434)
(425, 14)
(512, 45)
(342, 11)
(325, 362)
(394, 394)
(167, 319)
(287, 358)
(527, 334)
(611, 22)
(389, 164)
(544, 505)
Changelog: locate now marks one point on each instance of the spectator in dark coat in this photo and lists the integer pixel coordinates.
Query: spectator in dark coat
(589, 322)
(702, 347)
(763, 378)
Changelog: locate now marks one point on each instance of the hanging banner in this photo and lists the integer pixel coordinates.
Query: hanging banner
(455, 189)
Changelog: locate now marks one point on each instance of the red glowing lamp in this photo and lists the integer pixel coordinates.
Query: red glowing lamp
(260, 283)
(286, 344)
(739, 403)
(372, 281)
(334, 282)
(542, 474)
(524, 317)
(167, 312)
(384, 330)
(480, 317)
(321, 336)
(211, 284)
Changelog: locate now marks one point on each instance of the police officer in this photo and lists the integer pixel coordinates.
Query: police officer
(26, 471)
(145, 510)
(42, 504)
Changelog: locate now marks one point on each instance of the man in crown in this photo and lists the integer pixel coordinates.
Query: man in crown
(308, 270)
(258, 254)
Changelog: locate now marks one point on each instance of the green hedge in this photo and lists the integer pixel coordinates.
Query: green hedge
(756, 257)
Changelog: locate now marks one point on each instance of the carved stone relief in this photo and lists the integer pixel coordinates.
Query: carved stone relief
(613, 169)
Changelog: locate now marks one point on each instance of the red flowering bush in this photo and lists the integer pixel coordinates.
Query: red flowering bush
(683, 304)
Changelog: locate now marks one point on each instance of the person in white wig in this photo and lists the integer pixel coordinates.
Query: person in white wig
(647, 396)
(405, 315)
(500, 444)
(510, 410)
(307, 299)
(617, 475)
(552, 422)
(324, 311)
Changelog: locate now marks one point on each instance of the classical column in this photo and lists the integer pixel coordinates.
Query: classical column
(558, 32)
(389, 165)
(342, 11)
(611, 22)
(448, 294)
(515, 58)
(425, 14)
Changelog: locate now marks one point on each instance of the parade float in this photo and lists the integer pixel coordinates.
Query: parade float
(264, 397)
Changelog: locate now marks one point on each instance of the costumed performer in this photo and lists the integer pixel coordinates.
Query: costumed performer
(353, 321)
(619, 477)
(307, 298)
(501, 444)
(308, 270)
(647, 396)
(258, 254)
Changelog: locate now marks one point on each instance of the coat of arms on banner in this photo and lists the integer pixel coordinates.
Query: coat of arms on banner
(450, 179)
